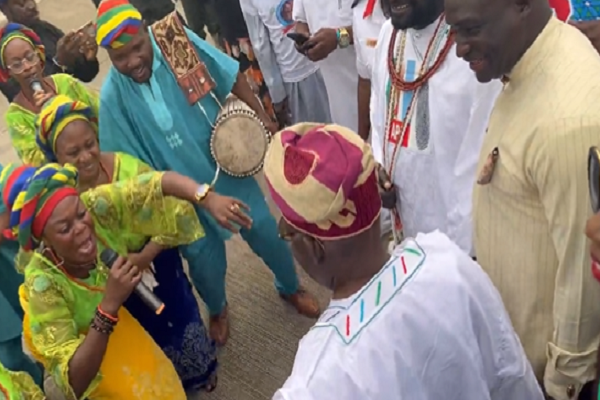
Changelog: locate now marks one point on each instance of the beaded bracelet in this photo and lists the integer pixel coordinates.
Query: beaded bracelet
(100, 311)
(100, 324)
(103, 320)
(106, 330)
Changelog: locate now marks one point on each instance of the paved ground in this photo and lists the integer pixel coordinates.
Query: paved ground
(265, 332)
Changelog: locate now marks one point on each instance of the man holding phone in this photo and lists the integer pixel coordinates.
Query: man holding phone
(73, 53)
(295, 83)
(328, 26)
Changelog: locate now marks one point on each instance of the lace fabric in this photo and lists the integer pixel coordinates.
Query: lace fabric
(137, 208)
(59, 308)
(21, 121)
(18, 385)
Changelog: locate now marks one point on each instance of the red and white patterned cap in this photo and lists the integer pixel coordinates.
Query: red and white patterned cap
(323, 179)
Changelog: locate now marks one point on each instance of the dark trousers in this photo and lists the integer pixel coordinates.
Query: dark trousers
(589, 391)
(200, 16)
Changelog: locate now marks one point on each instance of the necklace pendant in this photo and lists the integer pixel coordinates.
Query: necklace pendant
(487, 172)
(395, 131)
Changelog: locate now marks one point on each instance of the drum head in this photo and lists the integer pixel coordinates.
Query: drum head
(239, 145)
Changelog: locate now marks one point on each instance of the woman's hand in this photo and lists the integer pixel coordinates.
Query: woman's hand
(122, 279)
(228, 211)
(140, 260)
(143, 260)
(40, 97)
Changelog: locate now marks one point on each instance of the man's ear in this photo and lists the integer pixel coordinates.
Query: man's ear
(317, 248)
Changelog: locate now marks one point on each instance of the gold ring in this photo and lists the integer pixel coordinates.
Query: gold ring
(234, 208)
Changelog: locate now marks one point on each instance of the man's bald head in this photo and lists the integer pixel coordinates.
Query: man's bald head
(492, 35)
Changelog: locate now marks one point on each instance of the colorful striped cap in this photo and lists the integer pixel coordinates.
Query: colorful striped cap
(15, 31)
(31, 194)
(117, 23)
(56, 114)
(323, 179)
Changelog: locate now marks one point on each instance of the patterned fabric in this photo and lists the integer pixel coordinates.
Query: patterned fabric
(56, 114)
(58, 308)
(31, 194)
(241, 50)
(18, 385)
(576, 10)
(16, 31)
(178, 330)
(117, 23)
(322, 178)
(21, 122)
(155, 123)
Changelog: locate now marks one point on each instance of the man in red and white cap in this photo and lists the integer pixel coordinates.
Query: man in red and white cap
(424, 323)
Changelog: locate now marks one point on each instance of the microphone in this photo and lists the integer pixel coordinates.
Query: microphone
(108, 258)
(36, 86)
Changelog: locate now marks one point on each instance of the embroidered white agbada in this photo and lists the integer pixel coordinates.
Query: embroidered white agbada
(435, 173)
(429, 326)
(339, 68)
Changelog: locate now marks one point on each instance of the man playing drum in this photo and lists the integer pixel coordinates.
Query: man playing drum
(161, 108)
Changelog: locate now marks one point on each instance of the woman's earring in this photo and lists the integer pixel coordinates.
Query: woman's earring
(48, 252)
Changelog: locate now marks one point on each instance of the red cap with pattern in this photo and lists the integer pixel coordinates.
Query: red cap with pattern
(323, 179)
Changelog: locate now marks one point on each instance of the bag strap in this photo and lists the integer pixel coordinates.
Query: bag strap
(178, 50)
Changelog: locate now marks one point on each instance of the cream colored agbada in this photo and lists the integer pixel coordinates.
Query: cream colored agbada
(530, 220)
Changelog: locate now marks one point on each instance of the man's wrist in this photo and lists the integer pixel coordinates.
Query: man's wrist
(343, 37)
(59, 64)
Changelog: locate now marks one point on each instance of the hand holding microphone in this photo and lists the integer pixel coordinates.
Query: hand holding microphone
(124, 278)
(40, 96)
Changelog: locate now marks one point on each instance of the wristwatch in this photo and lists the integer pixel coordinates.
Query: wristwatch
(201, 193)
(343, 38)
(59, 65)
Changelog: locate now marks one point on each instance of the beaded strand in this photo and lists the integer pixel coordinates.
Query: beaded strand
(399, 85)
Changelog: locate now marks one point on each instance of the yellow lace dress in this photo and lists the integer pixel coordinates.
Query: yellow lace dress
(18, 386)
(59, 308)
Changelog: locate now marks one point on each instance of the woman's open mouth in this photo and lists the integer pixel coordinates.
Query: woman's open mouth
(88, 247)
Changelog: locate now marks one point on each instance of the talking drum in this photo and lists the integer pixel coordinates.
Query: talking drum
(239, 140)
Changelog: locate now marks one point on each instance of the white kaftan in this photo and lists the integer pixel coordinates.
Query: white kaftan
(429, 326)
(435, 173)
(339, 68)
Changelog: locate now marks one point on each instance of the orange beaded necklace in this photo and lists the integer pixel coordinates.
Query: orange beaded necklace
(399, 84)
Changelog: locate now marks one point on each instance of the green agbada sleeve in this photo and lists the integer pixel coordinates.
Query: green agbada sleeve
(137, 205)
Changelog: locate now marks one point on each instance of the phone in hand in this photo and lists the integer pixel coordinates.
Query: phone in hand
(298, 38)
(594, 178)
(89, 29)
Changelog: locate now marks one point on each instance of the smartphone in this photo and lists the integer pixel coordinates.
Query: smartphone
(594, 178)
(89, 29)
(298, 38)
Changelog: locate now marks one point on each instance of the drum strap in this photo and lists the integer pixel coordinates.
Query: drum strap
(190, 72)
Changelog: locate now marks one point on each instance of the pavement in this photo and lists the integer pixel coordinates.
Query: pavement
(264, 331)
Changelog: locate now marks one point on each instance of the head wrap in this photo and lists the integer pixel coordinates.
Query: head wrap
(31, 194)
(15, 31)
(117, 23)
(57, 113)
(323, 179)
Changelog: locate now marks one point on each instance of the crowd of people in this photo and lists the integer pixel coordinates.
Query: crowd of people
(429, 159)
